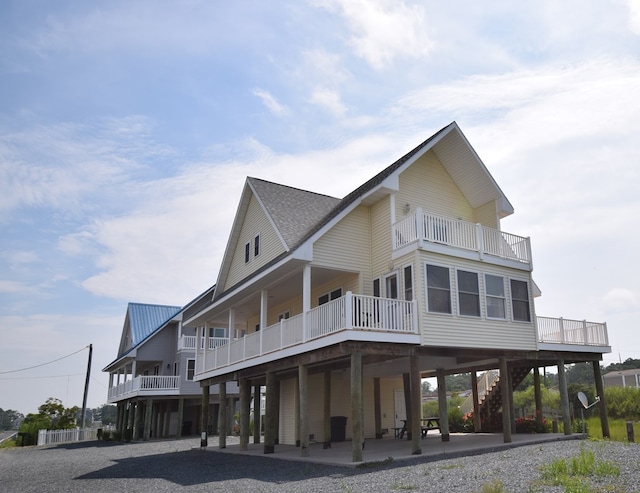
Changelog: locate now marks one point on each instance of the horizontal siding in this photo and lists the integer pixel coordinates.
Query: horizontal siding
(255, 223)
(427, 184)
(461, 331)
(487, 215)
(380, 238)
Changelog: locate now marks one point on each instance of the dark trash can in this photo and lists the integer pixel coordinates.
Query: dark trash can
(338, 428)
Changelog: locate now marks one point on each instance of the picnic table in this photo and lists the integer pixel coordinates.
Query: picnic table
(432, 423)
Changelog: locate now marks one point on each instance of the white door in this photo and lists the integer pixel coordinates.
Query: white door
(400, 409)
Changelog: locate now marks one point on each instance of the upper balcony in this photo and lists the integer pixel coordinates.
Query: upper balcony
(475, 240)
(351, 317)
(554, 332)
(145, 386)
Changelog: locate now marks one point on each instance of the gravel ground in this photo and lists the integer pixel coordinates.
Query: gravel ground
(168, 466)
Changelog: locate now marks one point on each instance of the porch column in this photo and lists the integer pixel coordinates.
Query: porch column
(110, 380)
(442, 405)
(136, 422)
(416, 405)
(303, 390)
(506, 408)
(357, 437)
(377, 411)
(477, 424)
(512, 408)
(148, 406)
(133, 369)
(296, 407)
(180, 417)
(326, 415)
(162, 412)
(306, 297)
(406, 383)
(204, 409)
(564, 398)
(538, 396)
(222, 415)
(167, 418)
(232, 330)
(245, 403)
(256, 413)
(132, 420)
(602, 407)
(270, 415)
(276, 418)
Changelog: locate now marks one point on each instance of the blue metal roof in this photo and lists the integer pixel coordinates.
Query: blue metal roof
(145, 319)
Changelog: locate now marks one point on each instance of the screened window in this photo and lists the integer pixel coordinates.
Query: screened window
(520, 300)
(438, 289)
(468, 293)
(494, 287)
(333, 295)
(408, 283)
(191, 368)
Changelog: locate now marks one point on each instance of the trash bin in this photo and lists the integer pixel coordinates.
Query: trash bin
(338, 428)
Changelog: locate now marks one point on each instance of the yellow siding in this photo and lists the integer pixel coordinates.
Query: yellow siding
(255, 223)
(380, 238)
(461, 331)
(487, 215)
(427, 184)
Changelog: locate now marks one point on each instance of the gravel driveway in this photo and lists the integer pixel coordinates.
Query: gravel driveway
(168, 466)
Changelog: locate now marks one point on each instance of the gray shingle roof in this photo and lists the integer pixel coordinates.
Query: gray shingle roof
(293, 211)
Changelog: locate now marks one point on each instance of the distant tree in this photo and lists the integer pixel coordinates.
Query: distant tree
(106, 414)
(61, 417)
(580, 374)
(9, 418)
(426, 387)
(628, 364)
(458, 383)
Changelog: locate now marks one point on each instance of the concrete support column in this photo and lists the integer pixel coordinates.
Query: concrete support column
(506, 408)
(180, 417)
(270, 426)
(416, 405)
(303, 391)
(136, 422)
(357, 435)
(245, 409)
(564, 398)
(602, 406)
(377, 409)
(257, 398)
(132, 420)
(538, 396)
(204, 409)
(326, 414)
(442, 405)
(406, 383)
(222, 416)
(148, 416)
(477, 424)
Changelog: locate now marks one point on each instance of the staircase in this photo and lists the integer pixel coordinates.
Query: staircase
(490, 396)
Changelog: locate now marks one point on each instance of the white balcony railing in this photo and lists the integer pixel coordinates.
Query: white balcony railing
(188, 343)
(421, 226)
(142, 385)
(578, 332)
(351, 312)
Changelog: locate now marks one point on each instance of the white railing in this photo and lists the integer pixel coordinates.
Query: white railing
(485, 383)
(189, 342)
(351, 312)
(461, 234)
(565, 331)
(51, 437)
(142, 384)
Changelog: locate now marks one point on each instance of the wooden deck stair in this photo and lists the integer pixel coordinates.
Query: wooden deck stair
(492, 402)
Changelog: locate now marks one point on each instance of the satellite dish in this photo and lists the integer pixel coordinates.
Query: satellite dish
(583, 400)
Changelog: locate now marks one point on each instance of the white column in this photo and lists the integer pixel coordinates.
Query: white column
(264, 308)
(232, 328)
(392, 215)
(205, 336)
(133, 369)
(306, 297)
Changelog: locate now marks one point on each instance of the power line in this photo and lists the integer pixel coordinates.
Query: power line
(43, 364)
(48, 376)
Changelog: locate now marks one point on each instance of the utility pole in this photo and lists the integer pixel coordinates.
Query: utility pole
(86, 388)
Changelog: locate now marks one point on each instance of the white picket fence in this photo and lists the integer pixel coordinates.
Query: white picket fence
(51, 437)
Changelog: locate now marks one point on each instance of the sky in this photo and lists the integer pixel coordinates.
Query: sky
(127, 130)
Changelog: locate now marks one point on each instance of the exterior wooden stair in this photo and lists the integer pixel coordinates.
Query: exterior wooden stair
(492, 402)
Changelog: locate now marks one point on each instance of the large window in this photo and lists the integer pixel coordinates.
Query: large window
(438, 289)
(333, 295)
(468, 293)
(494, 287)
(520, 300)
(191, 368)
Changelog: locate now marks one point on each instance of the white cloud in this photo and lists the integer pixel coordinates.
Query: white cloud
(634, 16)
(383, 30)
(621, 299)
(330, 101)
(270, 102)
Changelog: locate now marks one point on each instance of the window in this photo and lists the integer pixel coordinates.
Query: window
(391, 287)
(408, 283)
(257, 328)
(247, 253)
(156, 370)
(520, 300)
(217, 332)
(333, 295)
(438, 289)
(494, 287)
(284, 316)
(376, 288)
(175, 368)
(191, 368)
(256, 246)
(468, 293)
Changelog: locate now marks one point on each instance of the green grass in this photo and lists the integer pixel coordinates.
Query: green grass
(8, 444)
(617, 429)
(573, 474)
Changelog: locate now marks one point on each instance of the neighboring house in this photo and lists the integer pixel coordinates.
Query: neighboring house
(622, 378)
(152, 379)
(340, 306)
